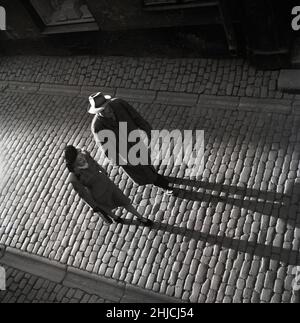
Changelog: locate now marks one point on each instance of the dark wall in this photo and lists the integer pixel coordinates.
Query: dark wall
(267, 30)
(20, 23)
(263, 26)
(267, 23)
(129, 14)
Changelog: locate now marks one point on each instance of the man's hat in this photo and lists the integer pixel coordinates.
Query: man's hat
(98, 101)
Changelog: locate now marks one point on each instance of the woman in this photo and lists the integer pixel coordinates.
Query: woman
(91, 182)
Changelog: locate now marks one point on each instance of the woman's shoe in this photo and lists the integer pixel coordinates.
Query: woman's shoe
(146, 222)
(118, 220)
(170, 192)
(107, 219)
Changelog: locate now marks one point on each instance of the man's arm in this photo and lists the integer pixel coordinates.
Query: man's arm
(140, 121)
(96, 125)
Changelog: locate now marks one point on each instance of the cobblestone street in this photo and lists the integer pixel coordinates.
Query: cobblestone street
(230, 235)
(232, 77)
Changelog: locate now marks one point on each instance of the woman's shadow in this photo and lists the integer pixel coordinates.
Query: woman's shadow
(285, 255)
(265, 204)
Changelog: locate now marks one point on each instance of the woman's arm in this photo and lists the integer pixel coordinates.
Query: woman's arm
(83, 191)
(98, 166)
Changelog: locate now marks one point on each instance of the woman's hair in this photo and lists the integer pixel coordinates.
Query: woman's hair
(70, 157)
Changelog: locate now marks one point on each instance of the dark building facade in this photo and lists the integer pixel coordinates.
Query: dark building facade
(260, 28)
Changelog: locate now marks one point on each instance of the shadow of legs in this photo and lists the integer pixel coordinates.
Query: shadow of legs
(229, 189)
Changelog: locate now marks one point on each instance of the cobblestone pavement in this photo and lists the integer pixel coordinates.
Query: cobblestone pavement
(231, 235)
(232, 77)
(26, 288)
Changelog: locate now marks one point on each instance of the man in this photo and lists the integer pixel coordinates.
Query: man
(109, 113)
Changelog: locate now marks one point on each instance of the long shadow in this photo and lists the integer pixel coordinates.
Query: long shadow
(266, 207)
(264, 202)
(237, 190)
(263, 207)
(286, 256)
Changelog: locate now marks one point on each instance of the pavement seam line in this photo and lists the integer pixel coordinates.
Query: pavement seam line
(188, 100)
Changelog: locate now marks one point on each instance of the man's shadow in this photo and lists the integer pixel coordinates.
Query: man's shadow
(230, 189)
(274, 204)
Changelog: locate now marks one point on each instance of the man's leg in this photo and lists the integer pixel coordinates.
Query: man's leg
(164, 184)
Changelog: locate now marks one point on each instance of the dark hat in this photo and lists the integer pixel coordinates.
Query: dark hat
(98, 101)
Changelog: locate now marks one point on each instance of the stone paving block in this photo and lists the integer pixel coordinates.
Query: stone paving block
(296, 107)
(3, 85)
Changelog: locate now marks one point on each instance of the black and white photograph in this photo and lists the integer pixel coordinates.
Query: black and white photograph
(150, 154)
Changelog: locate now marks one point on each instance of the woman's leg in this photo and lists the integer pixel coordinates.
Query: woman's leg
(132, 210)
(108, 215)
(112, 215)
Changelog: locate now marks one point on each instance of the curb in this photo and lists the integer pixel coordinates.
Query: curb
(106, 288)
(266, 105)
(86, 91)
(221, 102)
(146, 96)
(195, 102)
(177, 98)
(34, 265)
(65, 90)
(23, 87)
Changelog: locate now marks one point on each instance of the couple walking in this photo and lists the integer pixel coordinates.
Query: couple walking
(90, 180)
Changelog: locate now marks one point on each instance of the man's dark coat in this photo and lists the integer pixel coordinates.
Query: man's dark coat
(124, 112)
